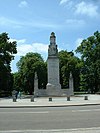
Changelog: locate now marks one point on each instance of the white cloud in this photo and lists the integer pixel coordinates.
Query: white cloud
(63, 2)
(35, 47)
(17, 24)
(21, 41)
(23, 47)
(75, 22)
(78, 42)
(8, 22)
(87, 9)
(23, 4)
(40, 47)
(18, 41)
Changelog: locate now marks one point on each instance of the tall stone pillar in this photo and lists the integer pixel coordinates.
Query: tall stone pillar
(71, 85)
(53, 85)
(35, 85)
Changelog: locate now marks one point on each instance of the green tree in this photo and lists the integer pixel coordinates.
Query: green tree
(69, 63)
(90, 55)
(7, 49)
(27, 66)
(17, 81)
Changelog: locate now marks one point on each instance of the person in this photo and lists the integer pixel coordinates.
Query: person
(19, 95)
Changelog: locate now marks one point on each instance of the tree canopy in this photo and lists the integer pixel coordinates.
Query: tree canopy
(7, 49)
(69, 63)
(85, 70)
(90, 55)
(27, 66)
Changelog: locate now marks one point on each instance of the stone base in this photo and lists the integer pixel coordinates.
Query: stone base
(53, 90)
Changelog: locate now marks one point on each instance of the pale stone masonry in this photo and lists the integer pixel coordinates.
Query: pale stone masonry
(36, 84)
(71, 84)
(53, 85)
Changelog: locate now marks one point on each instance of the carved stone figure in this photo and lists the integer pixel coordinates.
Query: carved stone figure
(52, 51)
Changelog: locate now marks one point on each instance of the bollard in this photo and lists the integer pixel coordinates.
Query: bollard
(50, 99)
(68, 98)
(86, 98)
(32, 98)
(14, 99)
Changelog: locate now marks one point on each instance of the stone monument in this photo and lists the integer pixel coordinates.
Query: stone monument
(53, 86)
(35, 85)
(71, 84)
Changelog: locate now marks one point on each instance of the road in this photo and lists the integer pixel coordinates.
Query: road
(56, 118)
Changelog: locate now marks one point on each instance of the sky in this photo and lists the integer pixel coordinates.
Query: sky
(30, 23)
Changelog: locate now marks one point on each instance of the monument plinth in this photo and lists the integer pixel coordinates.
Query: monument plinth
(53, 85)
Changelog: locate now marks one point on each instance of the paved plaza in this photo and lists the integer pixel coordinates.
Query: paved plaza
(77, 100)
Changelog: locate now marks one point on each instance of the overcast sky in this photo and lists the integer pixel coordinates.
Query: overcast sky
(30, 23)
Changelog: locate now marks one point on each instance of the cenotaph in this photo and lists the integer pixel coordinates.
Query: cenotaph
(53, 86)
